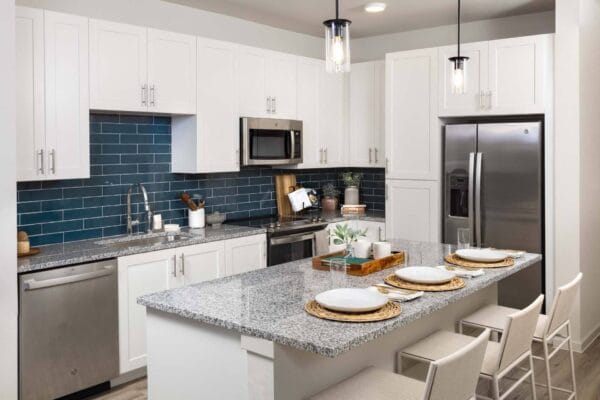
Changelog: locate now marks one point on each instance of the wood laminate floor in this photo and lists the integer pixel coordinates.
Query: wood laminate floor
(587, 367)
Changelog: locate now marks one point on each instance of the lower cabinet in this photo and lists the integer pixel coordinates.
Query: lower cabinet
(412, 210)
(146, 273)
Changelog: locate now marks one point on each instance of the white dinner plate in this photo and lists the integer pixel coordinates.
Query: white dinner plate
(481, 255)
(426, 275)
(351, 300)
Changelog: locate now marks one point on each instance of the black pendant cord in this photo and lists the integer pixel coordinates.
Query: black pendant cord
(458, 30)
(337, 9)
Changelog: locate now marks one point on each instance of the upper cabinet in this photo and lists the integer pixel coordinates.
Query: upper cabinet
(412, 133)
(332, 125)
(266, 83)
(307, 95)
(505, 77)
(139, 69)
(366, 125)
(210, 140)
(52, 100)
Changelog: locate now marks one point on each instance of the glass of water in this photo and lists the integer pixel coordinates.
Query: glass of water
(463, 238)
(337, 270)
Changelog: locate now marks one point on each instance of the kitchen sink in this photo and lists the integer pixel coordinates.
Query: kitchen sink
(129, 242)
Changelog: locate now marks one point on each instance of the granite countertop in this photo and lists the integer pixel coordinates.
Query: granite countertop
(60, 255)
(269, 303)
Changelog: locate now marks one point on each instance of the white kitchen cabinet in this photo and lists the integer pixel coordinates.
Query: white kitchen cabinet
(333, 141)
(412, 131)
(134, 68)
(365, 115)
(202, 262)
(267, 83)
(140, 274)
(308, 73)
(171, 72)
(210, 140)
(504, 77)
(245, 254)
(118, 66)
(476, 84)
(412, 210)
(53, 95)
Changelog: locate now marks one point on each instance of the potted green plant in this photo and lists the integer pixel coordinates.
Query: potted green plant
(329, 201)
(343, 236)
(352, 182)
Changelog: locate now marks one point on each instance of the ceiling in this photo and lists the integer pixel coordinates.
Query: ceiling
(305, 16)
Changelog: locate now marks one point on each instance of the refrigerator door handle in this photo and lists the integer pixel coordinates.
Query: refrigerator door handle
(471, 196)
(478, 238)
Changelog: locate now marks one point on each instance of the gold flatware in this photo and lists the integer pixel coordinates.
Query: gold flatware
(387, 290)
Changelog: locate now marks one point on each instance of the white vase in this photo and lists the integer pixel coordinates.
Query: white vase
(351, 197)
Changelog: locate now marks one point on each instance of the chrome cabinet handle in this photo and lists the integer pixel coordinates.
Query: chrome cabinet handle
(370, 158)
(269, 105)
(321, 156)
(387, 164)
(174, 272)
(53, 163)
(489, 99)
(144, 95)
(152, 95)
(325, 154)
(481, 105)
(237, 157)
(376, 155)
(182, 266)
(40, 154)
(274, 102)
(479, 242)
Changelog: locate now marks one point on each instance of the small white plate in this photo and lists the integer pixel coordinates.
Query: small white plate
(481, 255)
(426, 275)
(351, 300)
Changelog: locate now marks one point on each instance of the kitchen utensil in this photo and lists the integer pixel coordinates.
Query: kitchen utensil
(215, 219)
(426, 275)
(381, 250)
(283, 183)
(187, 200)
(481, 255)
(351, 300)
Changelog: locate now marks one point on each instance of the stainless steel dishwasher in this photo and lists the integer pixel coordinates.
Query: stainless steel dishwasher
(68, 329)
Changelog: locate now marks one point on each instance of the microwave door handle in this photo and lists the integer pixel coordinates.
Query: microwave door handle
(292, 145)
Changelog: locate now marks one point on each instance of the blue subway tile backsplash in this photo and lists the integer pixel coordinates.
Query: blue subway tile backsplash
(128, 149)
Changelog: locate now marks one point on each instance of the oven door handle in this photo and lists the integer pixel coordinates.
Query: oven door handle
(292, 238)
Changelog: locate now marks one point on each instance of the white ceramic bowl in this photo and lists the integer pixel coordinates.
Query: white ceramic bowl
(351, 300)
(481, 255)
(425, 275)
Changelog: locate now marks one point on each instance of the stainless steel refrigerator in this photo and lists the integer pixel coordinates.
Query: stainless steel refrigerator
(493, 184)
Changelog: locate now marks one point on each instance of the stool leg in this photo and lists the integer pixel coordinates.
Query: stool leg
(496, 387)
(533, 394)
(572, 361)
(547, 362)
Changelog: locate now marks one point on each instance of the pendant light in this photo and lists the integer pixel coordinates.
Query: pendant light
(459, 73)
(337, 43)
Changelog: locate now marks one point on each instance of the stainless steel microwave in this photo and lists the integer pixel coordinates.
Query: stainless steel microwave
(267, 141)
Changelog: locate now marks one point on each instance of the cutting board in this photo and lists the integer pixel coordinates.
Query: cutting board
(284, 184)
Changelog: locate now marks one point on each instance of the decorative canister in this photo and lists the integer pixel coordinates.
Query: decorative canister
(196, 218)
(329, 204)
(351, 197)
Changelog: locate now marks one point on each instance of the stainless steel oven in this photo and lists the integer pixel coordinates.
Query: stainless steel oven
(290, 247)
(267, 141)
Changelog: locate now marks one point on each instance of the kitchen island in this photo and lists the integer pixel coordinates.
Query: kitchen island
(248, 336)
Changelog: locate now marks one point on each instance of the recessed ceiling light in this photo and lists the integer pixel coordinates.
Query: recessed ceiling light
(375, 7)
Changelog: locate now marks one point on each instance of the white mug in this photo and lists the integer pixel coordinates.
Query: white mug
(361, 249)
(381, 250)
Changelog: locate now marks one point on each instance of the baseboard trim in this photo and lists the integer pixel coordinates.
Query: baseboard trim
(581, 346)
(128, 377)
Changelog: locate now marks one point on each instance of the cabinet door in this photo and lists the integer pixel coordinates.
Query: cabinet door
(245, 254)
(30, 94)
(362, 115)
(281, 78)
(332, 139)
(67, 96)
(252, 84)
(202, 262)
(308, 109)
(412, 210)
(118, 66)
(171, 72)
(378, 137)
(516, 75)
(412, 132)
(139, 275)
(472, 101)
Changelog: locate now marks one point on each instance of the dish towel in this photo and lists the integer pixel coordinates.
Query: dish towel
(322, 242)
(395, 296)
(462, 273)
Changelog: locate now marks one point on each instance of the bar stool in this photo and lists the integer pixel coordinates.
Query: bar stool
(500, 358)
(547, 329)
(453, 377)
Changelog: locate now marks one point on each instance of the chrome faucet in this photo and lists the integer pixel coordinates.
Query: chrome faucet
(133, 222)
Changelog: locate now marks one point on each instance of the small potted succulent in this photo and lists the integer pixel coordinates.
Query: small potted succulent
(343, 236)
(352, 182)
(329, 202)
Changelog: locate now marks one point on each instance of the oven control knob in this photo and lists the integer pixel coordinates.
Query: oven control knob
(278, 224)
(271, 225)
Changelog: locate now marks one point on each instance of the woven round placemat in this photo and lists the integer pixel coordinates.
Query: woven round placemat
(454, 284)
(461, 262)
(390, 310)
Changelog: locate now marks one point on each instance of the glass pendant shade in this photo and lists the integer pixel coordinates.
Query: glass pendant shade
(337, 45)
(459, 75)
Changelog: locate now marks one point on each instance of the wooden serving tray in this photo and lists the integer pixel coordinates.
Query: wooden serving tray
(366, 268)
